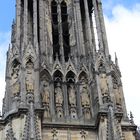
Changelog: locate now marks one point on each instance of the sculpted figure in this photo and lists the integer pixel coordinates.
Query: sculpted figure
(117, 95)
(72, 96)
(16, 89)
(46, 93)
(29, 77)
(58, 94)
(14, 81)
(15, 74)
(103, 84)
(84, 96)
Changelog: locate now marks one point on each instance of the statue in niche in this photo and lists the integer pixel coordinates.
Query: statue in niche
(72, 96)
(58, 94)
(14, 82)
(84, 95)
(16, 89)
(103, 84)
(45, 93)
(117, 94)
(29, 77)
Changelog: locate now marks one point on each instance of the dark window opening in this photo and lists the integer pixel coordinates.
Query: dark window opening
(65, 30)
(55, 32)
(30, 19)
(82, 9)
(90, 7)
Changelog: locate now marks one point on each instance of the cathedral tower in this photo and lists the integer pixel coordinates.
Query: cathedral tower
(60, 80)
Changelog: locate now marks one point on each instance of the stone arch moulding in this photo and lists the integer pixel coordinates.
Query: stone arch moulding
(45, 74)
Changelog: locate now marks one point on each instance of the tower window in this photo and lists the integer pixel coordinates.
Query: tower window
(65, 30)
(55, 33)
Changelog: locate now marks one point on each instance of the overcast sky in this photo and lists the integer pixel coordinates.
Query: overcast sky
(122, 19)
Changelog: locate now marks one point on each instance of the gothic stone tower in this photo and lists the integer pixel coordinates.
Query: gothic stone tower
(61, 83)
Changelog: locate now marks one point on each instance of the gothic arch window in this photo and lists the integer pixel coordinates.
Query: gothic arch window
(55, 30)
(65, 30)
(30, 19)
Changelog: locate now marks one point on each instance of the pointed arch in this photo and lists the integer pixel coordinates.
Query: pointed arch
(15, 63)
(101, 66)
(57, 76)
(45, 74)
(70, 77)
(83, 76)
(15, 66)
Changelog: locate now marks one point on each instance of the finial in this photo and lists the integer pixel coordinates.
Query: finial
(116, 60)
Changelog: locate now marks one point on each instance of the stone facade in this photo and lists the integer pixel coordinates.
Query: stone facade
(60, 80)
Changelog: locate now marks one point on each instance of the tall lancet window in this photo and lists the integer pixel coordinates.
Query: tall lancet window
(30, 19)
(55, 33)
(65, 30)
(82, 9)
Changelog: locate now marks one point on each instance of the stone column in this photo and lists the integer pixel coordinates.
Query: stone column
(79, 106)
(18, 21)
(79, 31)
(60, 31)
(99, 33)
(23, 88)
(52, 101)
(41, 26)
(88, 29)
(102, 24)
(66, 109)
(35, 22)
(25, 22)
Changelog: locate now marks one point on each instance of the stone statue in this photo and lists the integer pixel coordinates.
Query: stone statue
(84, 96)
(103, 84)
(72, 96)
(16, 89)
(29, 77)
(46, 93)
(15, 74)
(117, 94)
(58, 94)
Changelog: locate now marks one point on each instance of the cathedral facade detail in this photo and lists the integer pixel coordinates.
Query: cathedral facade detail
(61, 83)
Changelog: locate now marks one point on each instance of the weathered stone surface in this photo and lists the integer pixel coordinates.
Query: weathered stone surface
(60, 80)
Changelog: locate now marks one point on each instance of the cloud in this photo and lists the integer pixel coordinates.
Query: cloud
(123, 30)
(4, 43)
